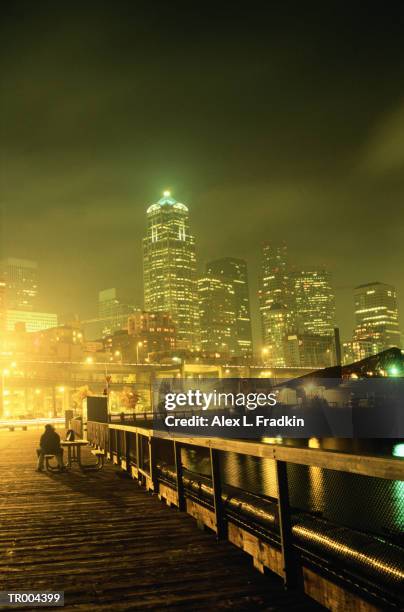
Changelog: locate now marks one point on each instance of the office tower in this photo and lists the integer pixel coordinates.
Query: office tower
(217, 312)
(112, 312)
(169, 268)
(377, 324)
(234, 271)
(276, 302)
(21, 279)
(277, 327)
(314, 301)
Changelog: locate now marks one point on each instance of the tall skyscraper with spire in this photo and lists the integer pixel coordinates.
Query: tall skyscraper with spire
(169, 267)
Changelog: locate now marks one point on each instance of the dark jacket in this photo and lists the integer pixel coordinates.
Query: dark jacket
(50, 443)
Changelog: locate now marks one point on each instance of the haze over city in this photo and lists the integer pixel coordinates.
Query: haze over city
(260, 123)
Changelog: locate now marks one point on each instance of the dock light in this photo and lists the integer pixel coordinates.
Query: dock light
(393, 371)
(398, 450)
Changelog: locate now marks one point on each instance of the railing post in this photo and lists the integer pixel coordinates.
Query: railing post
(117, 446)
(291, 564)
(153, 464)
(217, 494)
(179, 474)
(127, 450)
(139, 478)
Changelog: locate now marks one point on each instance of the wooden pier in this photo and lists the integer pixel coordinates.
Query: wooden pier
(109, 545)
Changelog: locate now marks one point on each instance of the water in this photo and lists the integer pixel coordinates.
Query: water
(360, 502)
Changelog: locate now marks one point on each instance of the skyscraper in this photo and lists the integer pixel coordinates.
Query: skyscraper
(113, 314)
(276, 305)
(169, 267)
(21, 279)
(377, 324)
(314, 301)
(217, 312)
(234, 271)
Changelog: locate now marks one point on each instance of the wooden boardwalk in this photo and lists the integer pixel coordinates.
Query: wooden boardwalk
(110, 546)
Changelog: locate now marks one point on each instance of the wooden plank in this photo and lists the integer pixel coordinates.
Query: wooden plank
(109, 546)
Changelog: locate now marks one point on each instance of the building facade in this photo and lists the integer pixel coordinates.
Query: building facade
(21, 283)
(151, 332)
(217, 316)
(234, 271)
(169, 268)
(314, 302)
(309, 350)
(377, 321)
(30, 321)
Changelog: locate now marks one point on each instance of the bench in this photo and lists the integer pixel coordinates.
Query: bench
(48, 466)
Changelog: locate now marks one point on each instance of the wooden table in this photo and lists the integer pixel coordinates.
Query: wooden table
(74, 451)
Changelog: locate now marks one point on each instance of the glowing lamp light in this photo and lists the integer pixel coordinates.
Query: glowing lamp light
(398, 450)
(166, 194)
(393, 371)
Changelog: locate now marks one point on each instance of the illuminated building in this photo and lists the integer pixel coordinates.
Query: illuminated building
(277, 327)
(2, 305)
(151, 332)
(376, 314)
(169, 268)
(62, 343)
(112, 316)
(314, 301)
(217, 312)
(234, 271)
(21, 279)
(276, 304)
(309, 350)
(31, 321)
(112, 312)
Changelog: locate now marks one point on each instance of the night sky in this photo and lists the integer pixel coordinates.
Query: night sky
(279, 123)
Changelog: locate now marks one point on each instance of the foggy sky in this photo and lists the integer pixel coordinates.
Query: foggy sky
(270, 124)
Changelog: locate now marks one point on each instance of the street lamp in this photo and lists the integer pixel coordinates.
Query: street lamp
(138, 345)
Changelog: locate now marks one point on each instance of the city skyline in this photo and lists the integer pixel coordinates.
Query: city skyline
(297, 301)
(269, 129)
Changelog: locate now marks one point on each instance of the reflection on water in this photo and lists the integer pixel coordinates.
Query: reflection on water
(360, 502)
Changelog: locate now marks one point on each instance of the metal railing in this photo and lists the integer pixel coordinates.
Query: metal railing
(302, 541)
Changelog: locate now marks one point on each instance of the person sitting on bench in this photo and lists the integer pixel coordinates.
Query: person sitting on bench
(49, 444)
